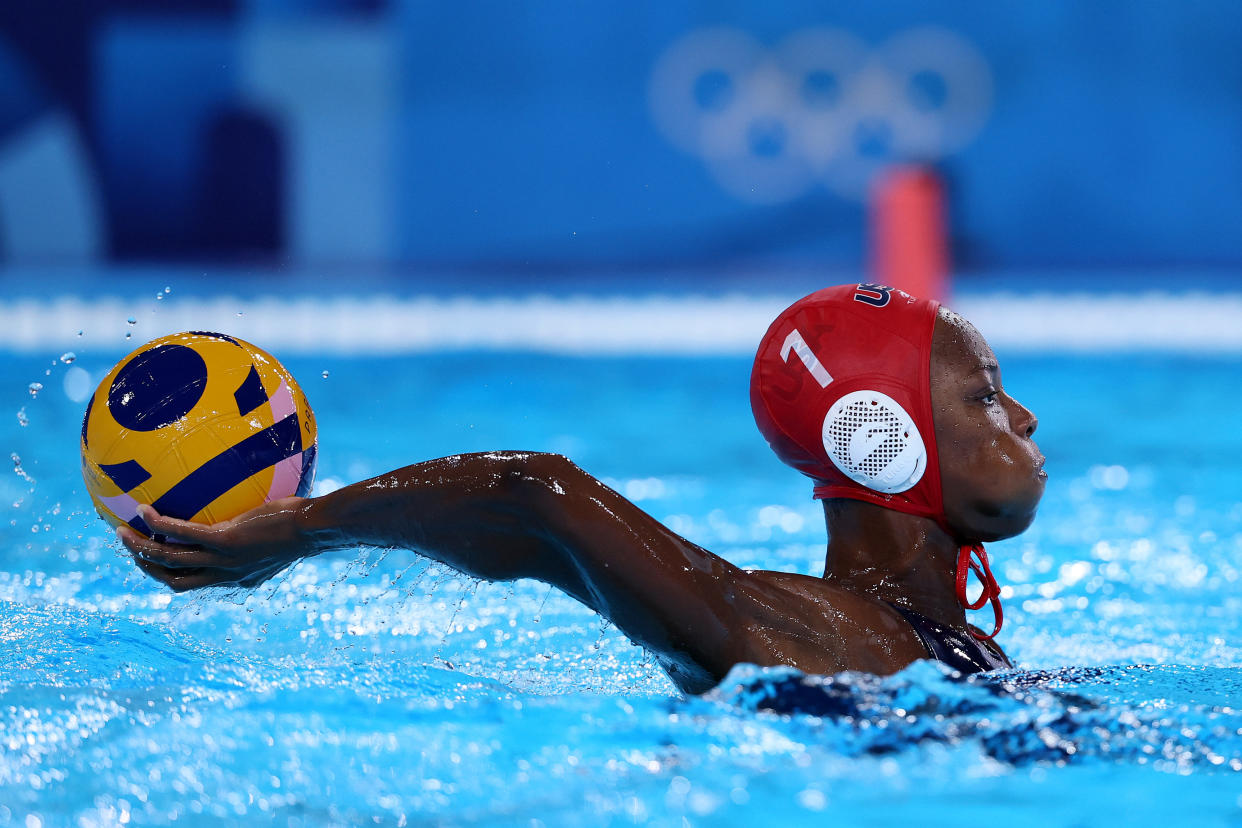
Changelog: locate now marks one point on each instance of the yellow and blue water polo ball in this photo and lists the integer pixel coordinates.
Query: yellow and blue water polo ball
(202, 426)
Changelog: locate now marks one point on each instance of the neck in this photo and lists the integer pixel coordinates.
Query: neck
(891, 556)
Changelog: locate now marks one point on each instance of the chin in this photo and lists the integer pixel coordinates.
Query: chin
(992, 523)
(1010, 529)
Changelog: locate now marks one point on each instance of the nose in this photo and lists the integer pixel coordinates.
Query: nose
(1023, 420)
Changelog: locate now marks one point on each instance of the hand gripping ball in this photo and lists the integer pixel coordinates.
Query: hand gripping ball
(202, 426)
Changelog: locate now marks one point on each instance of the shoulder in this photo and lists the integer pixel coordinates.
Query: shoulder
(818, 627)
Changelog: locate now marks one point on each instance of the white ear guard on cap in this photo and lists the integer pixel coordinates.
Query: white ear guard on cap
(873, 441)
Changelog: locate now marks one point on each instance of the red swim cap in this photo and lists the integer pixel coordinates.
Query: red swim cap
(841, 389)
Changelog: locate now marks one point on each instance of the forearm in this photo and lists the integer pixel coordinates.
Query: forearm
(498, 517)
(478, 513)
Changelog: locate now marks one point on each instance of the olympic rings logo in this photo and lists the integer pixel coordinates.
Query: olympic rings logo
(822, 107)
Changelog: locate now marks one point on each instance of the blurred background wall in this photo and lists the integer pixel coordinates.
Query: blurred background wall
(471, 133)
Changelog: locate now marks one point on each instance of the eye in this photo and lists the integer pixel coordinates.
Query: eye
(990, 398)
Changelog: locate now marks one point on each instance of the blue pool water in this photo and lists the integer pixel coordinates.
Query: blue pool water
(372, 688)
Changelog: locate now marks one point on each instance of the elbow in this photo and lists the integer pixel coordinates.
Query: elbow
(532, 502)
(538, 474)
(544, 494)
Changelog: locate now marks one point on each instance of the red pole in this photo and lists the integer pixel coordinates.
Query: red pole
(909, 247)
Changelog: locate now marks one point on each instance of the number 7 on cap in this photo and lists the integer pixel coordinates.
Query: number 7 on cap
(794, 342)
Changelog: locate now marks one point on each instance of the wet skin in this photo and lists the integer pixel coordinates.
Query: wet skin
(991, 471)
(507, 515)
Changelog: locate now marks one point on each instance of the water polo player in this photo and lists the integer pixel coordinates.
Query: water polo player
(891, 404)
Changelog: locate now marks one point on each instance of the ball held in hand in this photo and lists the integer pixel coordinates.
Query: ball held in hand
(202, 426)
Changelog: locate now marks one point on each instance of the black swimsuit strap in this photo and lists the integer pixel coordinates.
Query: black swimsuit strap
(960, 652)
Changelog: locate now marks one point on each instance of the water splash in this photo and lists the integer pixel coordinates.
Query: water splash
(18, 470)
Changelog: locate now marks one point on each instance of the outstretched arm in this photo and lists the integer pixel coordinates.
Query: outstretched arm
(498, 517)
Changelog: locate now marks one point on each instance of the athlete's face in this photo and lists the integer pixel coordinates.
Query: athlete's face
(991, 471)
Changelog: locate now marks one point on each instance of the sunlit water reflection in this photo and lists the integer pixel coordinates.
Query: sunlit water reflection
(372, 686)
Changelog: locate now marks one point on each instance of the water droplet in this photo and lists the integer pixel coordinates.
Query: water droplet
(22, 419)
(68, 357)
(131, 321)
(35, 388)
(325, 374)
(239, 313)
(167, 289)
(129, 335)
(17, 468)
(80, 333)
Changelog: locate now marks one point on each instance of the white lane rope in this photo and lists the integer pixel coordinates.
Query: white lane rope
(622, 325)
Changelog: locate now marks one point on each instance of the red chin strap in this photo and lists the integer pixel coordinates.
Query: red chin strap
(991, 591)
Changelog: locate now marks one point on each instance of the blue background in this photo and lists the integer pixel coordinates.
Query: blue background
(521, 134)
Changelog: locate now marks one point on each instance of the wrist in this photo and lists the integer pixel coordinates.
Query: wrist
(314, 532)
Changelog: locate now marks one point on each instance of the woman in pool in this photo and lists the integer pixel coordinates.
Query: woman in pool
(893, 405)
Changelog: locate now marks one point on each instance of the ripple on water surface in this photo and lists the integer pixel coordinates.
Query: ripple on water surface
(372, 686)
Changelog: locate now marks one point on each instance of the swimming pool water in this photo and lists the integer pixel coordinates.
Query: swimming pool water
(372, 688)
